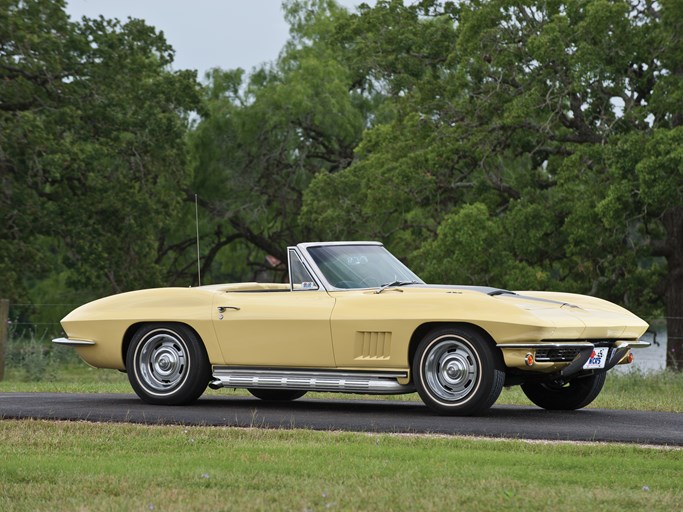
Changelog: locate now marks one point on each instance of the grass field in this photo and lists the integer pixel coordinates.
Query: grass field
(102, 467)
(60, 466)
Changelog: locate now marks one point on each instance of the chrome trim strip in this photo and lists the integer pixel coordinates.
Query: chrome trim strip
(302, 251)
(633, 344)
(342, 382)
(307, 265)
(575, 344)
(306, 245)
(546, 345)
(72, 343)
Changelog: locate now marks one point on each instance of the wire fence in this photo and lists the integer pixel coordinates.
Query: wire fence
(27, 353)
(36, 317)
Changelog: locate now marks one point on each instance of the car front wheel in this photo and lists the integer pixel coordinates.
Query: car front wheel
(457, 371)
(167, 364)
(569, 396)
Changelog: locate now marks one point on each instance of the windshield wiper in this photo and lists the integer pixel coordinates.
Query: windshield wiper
(394, 283)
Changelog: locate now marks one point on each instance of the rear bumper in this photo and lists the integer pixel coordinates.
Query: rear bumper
(72, 343)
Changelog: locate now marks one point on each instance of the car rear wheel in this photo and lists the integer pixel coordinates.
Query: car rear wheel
(575, 394)
(277, 395)
(457, 371)
(167, 364)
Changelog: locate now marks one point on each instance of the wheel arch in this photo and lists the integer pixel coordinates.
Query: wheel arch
(133, 328)
(425, 328)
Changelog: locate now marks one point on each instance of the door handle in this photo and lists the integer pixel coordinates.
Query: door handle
(222, 309)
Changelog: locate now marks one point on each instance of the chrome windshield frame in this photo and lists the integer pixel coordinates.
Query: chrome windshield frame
(312, 270)
(302, 250)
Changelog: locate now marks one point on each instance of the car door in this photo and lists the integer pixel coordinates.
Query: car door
(371, 330)
(275, 328)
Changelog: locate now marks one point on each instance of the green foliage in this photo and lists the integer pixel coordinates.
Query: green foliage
(473, 248)
(509, 161)
(91, 131)
(660, 170)
(264, 138)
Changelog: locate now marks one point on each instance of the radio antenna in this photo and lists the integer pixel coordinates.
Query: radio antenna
(196, 223)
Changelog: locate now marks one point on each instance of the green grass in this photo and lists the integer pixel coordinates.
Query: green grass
(653, 391)
(81, 466)
(661, 391)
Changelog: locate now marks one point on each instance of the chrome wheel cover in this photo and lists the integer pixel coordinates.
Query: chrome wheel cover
(162, 361)
(451, 369)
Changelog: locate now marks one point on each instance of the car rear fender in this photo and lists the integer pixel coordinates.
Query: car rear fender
(127, 337)
(130, 332)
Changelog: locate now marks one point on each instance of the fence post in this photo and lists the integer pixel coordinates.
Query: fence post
(4, 327)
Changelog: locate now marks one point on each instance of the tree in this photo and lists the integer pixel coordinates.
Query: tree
(546, 136)
(92, 159)
(262, 139)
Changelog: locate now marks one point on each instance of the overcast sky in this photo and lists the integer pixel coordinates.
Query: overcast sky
(206, 33)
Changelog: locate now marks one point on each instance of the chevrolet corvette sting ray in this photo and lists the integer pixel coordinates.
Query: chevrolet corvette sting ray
(354, 319)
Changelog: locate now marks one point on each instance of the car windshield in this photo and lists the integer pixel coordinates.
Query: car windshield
(361, 266)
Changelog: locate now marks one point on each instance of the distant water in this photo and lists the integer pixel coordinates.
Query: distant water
(650, 359)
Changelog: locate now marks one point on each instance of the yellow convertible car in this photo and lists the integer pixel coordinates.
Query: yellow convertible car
(354, 319)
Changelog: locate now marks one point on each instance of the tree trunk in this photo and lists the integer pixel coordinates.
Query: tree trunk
(673, 223)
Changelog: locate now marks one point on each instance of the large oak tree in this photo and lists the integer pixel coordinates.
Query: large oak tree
(92, 153)
(535, 144)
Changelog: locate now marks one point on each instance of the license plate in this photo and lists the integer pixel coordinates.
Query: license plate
(597, 359)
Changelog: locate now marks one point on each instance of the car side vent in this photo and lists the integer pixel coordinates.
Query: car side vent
(373, 345)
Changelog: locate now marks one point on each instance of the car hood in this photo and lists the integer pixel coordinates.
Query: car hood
(576, 315)
(526, 299)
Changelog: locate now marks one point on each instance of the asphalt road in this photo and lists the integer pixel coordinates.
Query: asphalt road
(515, 422)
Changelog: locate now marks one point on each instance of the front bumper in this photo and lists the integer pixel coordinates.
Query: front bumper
(565, 358)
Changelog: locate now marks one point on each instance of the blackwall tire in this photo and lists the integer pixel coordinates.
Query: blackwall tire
(575, 394)
(167, 364)
(458, 371)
